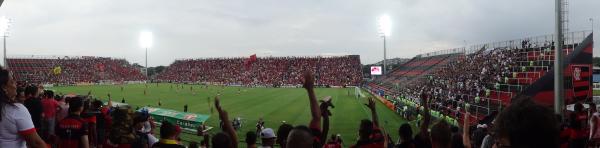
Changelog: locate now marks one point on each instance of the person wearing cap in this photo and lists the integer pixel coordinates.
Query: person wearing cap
(168, 136)
(267, 136)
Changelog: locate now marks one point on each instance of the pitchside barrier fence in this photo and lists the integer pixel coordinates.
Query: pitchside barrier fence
(414, 107)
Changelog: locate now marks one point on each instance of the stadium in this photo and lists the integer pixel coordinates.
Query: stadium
(513, 88)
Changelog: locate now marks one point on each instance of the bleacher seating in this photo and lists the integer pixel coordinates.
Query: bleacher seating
(486, 79)
(71, 70)
(337, 71)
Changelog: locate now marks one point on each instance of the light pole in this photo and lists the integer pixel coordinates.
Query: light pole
(146, 42)
(592, 21)
(4, 25)
(559, 100)
(384, 31)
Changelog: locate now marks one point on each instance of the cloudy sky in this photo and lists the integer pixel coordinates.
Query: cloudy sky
(233, 28)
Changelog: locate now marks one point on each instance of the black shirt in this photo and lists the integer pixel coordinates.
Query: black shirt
(34, 106)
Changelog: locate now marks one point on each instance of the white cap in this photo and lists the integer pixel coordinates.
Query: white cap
(267, 133)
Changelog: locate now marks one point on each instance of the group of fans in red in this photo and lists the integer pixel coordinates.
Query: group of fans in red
(269, 71)
(71, 70)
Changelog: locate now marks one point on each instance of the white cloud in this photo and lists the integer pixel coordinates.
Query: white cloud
(203, 28)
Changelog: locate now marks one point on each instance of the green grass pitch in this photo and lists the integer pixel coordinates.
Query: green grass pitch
(273, 104)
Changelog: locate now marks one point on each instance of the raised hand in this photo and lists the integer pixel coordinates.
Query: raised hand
(309, 80)
(371, 104)
(466, 132)
(218, 104)
(324, 106)
(224, 116)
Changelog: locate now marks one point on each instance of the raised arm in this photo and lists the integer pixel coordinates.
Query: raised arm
(325, 113)
(371, 106)
(426, 115)
(33, 140)
(109, 104)
(315, 111)
(466, 138)
(227, 127)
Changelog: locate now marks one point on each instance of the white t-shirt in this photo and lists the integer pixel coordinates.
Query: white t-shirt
(16, 121)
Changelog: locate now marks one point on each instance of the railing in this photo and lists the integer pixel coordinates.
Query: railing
(58, 57)
(570, 39)
(443, 52)
(268, 57)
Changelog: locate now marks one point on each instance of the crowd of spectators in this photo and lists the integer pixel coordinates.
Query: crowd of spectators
(85, 122)
(71, 70)
(483, 80)
(269, 71)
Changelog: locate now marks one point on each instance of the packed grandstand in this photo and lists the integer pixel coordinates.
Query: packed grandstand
(472, 85)
(486, 76)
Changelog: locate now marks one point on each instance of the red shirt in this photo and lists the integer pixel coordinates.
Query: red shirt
(332, 145)
(565, 136)
(49, 108)
(376, 140)
(70, 130)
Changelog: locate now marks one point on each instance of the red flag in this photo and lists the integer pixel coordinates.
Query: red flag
(253, 58)
(250, 60)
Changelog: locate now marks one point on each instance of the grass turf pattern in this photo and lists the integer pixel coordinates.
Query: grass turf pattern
(274, 105)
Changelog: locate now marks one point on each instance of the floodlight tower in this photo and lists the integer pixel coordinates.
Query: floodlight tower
(560, 27)
(146, 42)
(592, 21)
(384, 31)
(4, 25)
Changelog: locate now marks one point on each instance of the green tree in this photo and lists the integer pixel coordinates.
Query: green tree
(596, 61)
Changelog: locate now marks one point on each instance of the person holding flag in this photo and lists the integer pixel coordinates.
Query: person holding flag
(250, 61)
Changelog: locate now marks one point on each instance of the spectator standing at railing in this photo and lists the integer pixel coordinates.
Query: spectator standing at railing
(282, 134)
(370, 136)
(34, 106)
(594, 138)
(406, 137)
(302, 136)
(64, 108)
(15, 121)
(121, 133)
(50, 107)
(169, 134)
(251, 139)
(227, 138)
(539, 130)
(72, 130)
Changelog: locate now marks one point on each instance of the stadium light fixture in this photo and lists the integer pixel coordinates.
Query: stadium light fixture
(384, 31)
(146, 39)
(4, 25)
(146, 42)
(384, 26)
